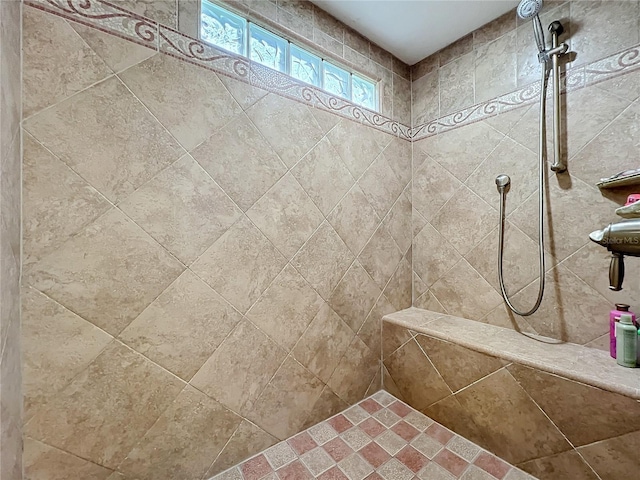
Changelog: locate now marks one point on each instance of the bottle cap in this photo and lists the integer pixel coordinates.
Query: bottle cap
(623, 307)
(626, 318)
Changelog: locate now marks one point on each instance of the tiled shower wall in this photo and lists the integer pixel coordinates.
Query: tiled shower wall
(455, 201)
(10, 374)
(205, 263)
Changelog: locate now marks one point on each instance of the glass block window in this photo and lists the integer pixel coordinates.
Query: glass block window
(223, 28)
(268, 49)
(231, 32)
(336, 80)
(305, 66)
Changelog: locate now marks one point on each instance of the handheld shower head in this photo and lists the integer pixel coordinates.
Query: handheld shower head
(529, 8)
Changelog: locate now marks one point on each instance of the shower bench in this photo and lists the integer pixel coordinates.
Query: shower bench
(557, 410)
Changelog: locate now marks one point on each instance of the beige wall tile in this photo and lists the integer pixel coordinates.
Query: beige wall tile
(401, 99)
(371, 330)
(286, 215)
(510, 436)
(494, 29)
(425, 96)
(327, 406)
(187, 99)
(495, 67)
(323, 260)
(398, 221)
(415, 377)
(393, 337)
(66, 69)
(280, 120)
(354, 219)
(380, 257)
(286, 308)
(354, 296)
(184, 441)
(354, 373)
(433, 255)
(380, 185)
(240, 368)
(162, 11)
(82, 276)
(433, 186)
(181, 328)
(399, 155)
(457, 84)
(458, 366)
(103, 413)
(43, 462)
(244, 93)
(563, 465)
(56, 202)
(324, 176)
(583, 413)
(118, 54)
(287, 401)
(613, 458)
(240, 160)
(324, 343)
(357, 145)
(114, 167)
(398, 290)
(240, 264)
(56, 346)
(247, 440)
(183, 209)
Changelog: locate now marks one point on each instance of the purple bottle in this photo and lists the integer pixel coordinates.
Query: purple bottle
(614, 316)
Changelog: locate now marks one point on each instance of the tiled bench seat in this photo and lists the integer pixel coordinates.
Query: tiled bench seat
(555, 410)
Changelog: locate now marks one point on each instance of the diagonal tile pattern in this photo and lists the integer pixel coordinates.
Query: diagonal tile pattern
(325, 452)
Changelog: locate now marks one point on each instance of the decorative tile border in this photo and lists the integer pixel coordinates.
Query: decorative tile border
(114, 20)
(111, 19)
(104, 16)
(610, 67)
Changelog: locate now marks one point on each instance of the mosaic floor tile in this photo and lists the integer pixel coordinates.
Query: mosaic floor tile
(381, 438)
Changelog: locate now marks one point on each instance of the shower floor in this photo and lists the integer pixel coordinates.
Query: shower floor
(379, 438)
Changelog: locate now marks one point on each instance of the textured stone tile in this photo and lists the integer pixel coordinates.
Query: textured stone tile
(240, 368)
(69, 68)
(487, 400)
(450, 461)
(115, 168)
(563, 465)
(355, 371)
(426, 98)
(245, 94)
(56, 202)
(456, 81)
(162, 11)
(583, 413)
(426, 445)
(280, 454)
(391, 442)
(324, 343)
(286, 215)
(280, 119)
(458, 366)
(409, 363)
(240, 264)
(327, 405)
(356, 438)
(492, 464)
(183, 209)
(188, 100)
(387, 418)
(380, 185)
(475, 473)
(380, 257)
(247, 440)
(495, 67)
(355, 467)
(433, 255)
(433, 471)
(44, 461)
(317, 461)
(356, 414)
(322, 433)
(398, 221)
(56, 346)
(184, 440)
(354, 296)
(255, 468)
(465, 220)
(463, 448)
(370, 332)
(106, 398)
(286, 308)
(357, 145)
(398, 289)
(337, 449)
(323, 175)
(118, 54)
(241, 161)
(294, 471)
(354, 219)
(465, 293)
(302, 443)
(285, 403)
(433, 186)
(82, 276)
(323, 260)
(182, 327)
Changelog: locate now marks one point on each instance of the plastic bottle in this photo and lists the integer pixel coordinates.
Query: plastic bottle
(626, 341)
(614, 316)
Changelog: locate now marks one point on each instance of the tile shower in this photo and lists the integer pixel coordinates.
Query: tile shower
(197, 287)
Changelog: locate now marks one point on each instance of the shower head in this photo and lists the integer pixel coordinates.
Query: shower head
(529, 8)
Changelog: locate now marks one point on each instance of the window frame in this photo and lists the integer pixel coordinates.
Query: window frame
(246, 48)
